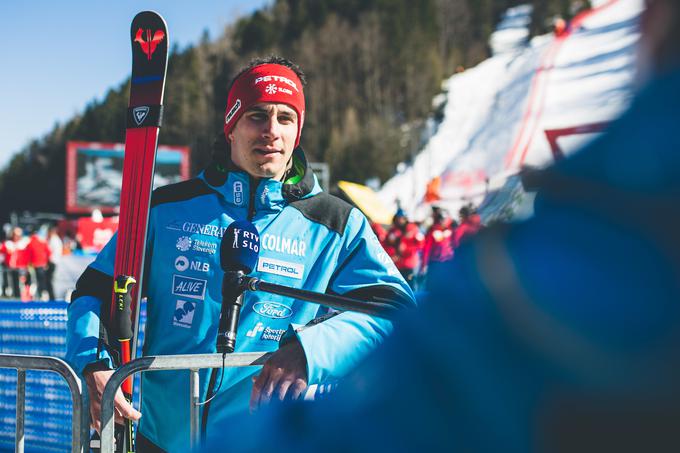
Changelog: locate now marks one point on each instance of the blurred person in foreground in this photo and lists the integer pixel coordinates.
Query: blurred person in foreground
(561, 333)
(309, 240)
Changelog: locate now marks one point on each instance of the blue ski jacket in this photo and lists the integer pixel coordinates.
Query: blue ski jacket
(308, 239)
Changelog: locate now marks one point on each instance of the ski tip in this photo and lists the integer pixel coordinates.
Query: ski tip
(149, 16)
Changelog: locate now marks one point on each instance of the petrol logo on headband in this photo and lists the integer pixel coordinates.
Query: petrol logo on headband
(233, 111)
(277, 78)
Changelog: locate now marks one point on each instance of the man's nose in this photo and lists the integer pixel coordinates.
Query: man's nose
(272, 127)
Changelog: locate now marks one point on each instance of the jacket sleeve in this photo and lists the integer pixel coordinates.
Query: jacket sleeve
(363, 271)
(86, 315)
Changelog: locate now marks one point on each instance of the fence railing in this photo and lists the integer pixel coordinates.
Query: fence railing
(192, 363)
(22, 363)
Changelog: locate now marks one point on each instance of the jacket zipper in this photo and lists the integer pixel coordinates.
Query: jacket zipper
(251, 198)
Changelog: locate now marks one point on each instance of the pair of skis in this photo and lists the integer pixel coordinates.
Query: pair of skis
(149, 38)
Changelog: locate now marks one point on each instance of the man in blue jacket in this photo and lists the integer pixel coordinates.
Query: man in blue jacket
(308, 239)
(557, 334)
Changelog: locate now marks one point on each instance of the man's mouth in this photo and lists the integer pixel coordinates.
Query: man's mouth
(267, 150)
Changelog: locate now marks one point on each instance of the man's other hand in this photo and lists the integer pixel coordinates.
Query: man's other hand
(96, 381)
(283, 376)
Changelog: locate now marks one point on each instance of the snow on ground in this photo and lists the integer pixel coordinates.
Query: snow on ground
(497, 112)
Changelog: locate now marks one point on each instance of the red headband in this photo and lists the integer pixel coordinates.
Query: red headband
(265, 83)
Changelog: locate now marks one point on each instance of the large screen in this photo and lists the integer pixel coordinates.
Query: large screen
(94, 174)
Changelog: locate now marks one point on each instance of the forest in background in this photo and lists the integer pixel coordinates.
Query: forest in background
(372, 67)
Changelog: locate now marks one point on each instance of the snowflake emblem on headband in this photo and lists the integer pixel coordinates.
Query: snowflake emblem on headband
(271, 89)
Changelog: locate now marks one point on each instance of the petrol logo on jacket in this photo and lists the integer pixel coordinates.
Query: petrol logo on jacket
(283, 268)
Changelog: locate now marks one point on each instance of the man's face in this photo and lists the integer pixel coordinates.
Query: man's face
(263, 139)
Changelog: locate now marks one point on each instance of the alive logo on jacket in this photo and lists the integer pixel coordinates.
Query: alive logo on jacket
(193, 288)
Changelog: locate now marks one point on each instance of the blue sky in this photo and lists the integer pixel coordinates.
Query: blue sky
(59, 55)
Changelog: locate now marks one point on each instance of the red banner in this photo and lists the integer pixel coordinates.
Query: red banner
(93, 235)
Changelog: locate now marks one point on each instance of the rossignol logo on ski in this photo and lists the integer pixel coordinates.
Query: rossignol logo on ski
(147, 42)
(139, 114)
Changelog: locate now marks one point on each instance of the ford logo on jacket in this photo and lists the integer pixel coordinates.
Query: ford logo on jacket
(272, 310)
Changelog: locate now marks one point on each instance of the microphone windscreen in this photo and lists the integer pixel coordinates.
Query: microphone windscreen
(240, 247)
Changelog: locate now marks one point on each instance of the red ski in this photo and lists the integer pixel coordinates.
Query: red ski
(149, 38)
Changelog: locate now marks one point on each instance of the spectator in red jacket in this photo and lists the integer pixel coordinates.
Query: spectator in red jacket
(16, 260)
(470, 223)
(438, 246)
(38, 253)
(404, 244)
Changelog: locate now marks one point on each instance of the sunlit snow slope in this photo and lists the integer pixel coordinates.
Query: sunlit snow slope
(530, 103)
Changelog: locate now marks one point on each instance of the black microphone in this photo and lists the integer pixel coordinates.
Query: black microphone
(239, 251)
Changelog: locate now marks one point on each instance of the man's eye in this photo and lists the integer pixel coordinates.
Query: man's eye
(285, 119)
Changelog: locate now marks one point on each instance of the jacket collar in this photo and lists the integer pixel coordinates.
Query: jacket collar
(235, 185)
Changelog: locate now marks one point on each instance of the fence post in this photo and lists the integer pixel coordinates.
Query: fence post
(21, 363)
(169, 362)
(195, 397)
(21, 401)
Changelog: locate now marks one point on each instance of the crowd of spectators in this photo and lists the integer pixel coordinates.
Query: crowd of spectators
(28, 260)
(417, 248)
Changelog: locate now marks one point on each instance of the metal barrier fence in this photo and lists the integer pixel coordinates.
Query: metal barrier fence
(22, 363)
(193, 363)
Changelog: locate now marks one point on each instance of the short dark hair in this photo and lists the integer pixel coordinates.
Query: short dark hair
(467, 210)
